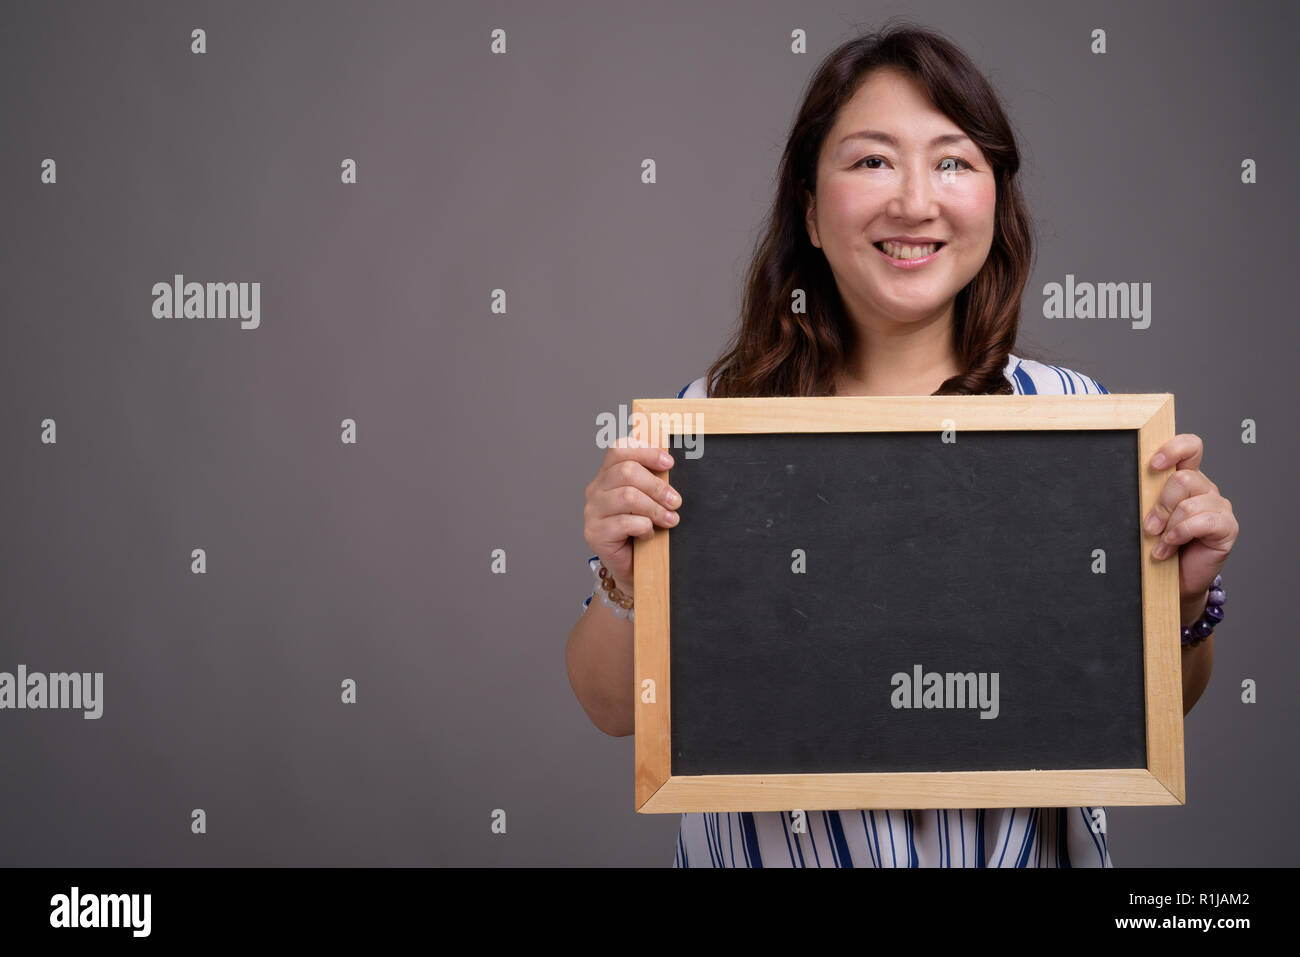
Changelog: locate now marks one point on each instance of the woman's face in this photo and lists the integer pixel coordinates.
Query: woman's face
(900, 182)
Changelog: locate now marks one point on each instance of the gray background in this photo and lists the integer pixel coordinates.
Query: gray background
(477, 430)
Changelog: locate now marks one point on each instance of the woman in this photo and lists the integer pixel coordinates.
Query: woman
(897, 250)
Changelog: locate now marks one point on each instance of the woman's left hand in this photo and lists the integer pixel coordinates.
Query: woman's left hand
(1190, 517)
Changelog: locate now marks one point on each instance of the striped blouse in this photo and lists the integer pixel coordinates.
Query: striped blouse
(976, 837)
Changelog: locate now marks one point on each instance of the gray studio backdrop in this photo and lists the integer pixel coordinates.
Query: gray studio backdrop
(475, 430)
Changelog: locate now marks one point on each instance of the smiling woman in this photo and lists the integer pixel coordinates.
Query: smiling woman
(893, 262)
(912, 243)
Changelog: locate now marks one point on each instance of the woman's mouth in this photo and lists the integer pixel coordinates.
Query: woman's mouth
(908, 257)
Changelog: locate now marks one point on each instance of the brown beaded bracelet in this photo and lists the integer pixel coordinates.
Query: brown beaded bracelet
(611, 596)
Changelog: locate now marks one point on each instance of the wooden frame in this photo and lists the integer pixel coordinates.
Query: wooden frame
(1161, 782)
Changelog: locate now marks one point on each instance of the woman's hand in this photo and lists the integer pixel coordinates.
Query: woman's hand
(625, 501)
(1191, 518)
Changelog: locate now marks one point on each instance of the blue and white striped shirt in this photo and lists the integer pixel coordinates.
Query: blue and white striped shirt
(977, 837)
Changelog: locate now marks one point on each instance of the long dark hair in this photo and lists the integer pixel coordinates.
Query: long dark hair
(775, 351)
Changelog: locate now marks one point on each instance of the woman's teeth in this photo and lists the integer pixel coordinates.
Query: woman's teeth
(906, 252)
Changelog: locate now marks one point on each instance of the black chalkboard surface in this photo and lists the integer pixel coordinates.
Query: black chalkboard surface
(952, 608)
(973, 557)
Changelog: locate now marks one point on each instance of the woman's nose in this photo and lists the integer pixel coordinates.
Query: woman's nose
(916, 196)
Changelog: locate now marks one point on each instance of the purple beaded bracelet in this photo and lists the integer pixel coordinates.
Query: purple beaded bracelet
(1203, 627)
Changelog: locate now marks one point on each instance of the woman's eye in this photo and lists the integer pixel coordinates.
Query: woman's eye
(956, 159)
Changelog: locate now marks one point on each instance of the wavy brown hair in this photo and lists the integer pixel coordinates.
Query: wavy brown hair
(775, 351)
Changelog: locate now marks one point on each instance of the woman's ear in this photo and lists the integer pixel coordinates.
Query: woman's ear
(810, 218)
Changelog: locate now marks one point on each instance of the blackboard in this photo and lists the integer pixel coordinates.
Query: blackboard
(844, 605)
(777, 670)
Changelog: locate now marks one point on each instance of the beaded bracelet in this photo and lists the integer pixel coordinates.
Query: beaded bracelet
(613, 599)
(1203, 627)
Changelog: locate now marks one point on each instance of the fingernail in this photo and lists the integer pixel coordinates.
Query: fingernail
(665, 460)
(1159, 551)
(1153, 524)
(672, 517)
(1158, 460)
(673, 499)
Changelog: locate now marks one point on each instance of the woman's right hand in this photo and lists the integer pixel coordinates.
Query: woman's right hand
(625, 501)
